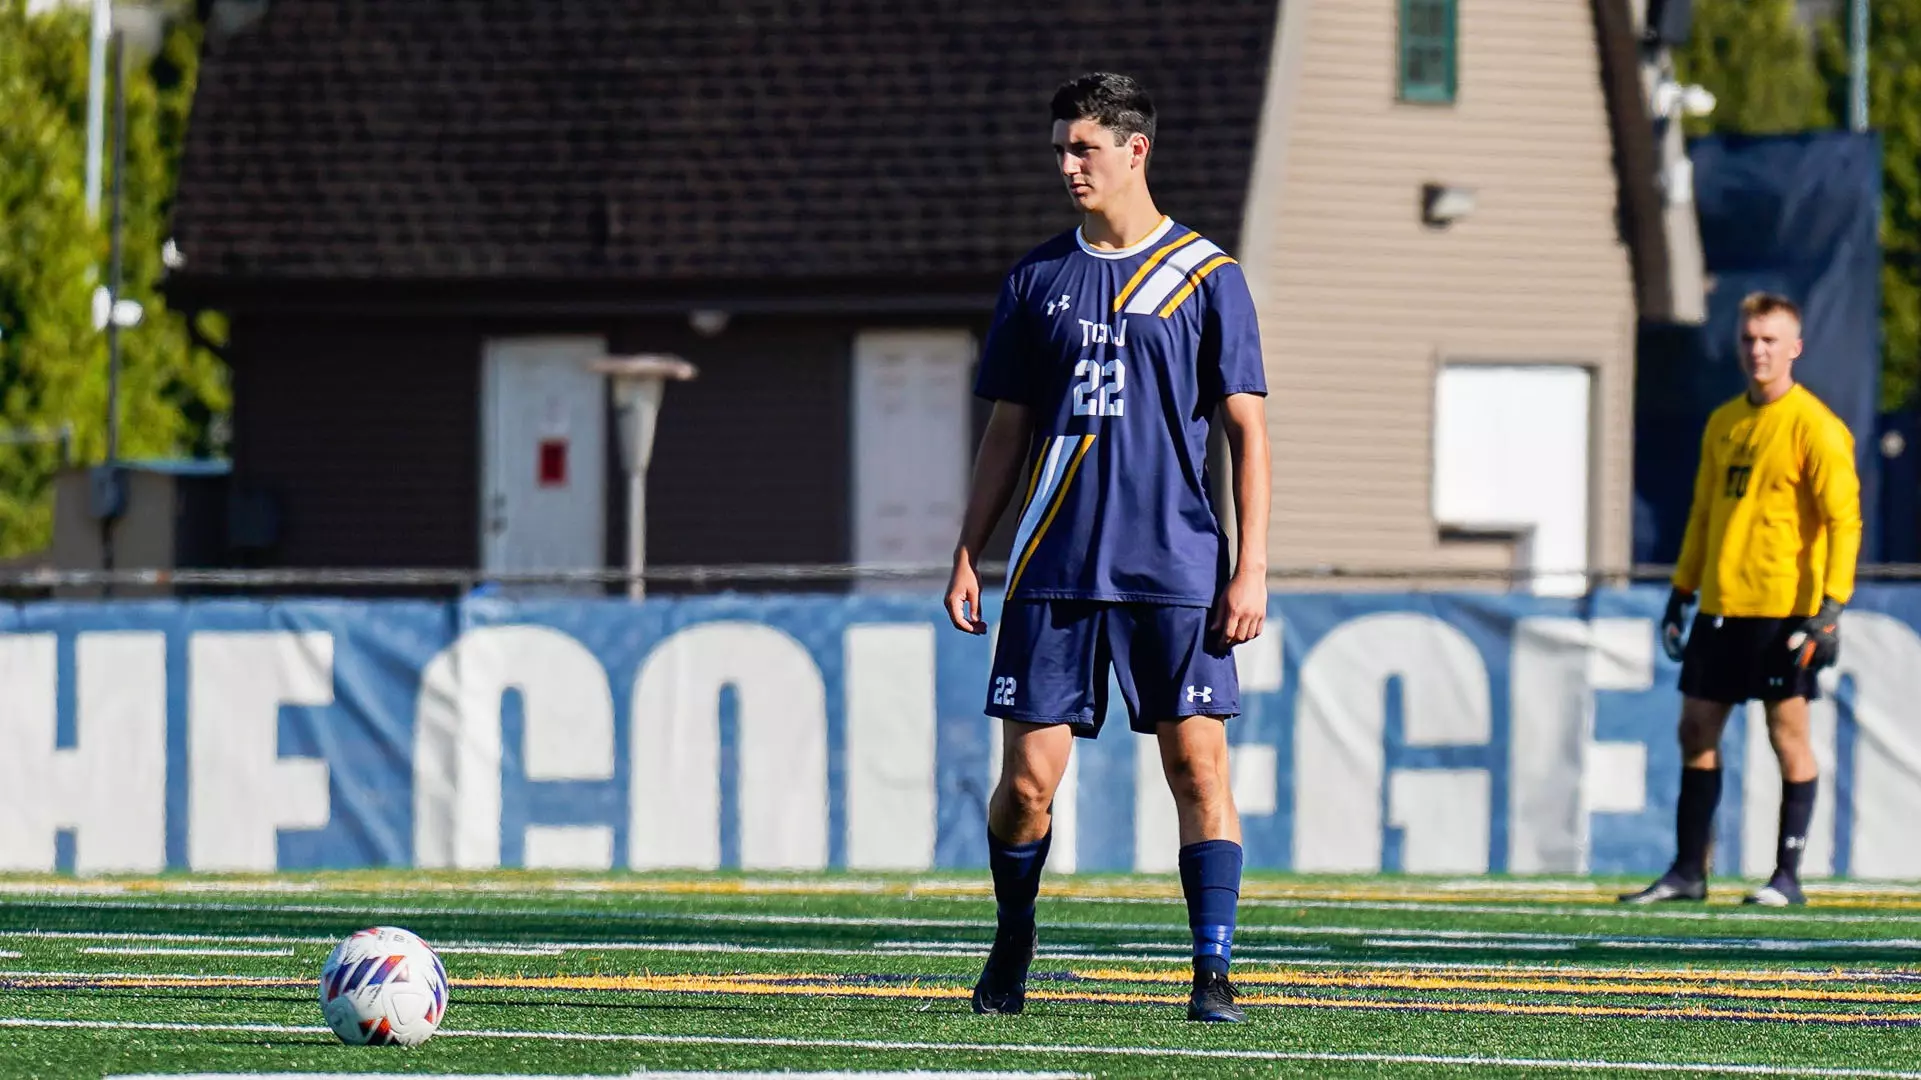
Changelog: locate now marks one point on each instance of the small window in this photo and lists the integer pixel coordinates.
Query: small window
(1427, 50)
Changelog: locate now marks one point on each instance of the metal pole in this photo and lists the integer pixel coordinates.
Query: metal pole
(636, 533)
(1858, 65)
(114, 276)
(96, 99)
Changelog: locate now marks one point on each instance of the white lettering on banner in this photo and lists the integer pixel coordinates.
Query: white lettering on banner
(111, 787)
(240, 791)
(1884, 655)
(1259, 664)
(1339, 737)
(781, 742)
(568, 847)
(1558, 664)
(891, 812)
(567, 734)
(1157, 823)
(1443, 816)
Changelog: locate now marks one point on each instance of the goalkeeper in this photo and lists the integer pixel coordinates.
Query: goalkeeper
(1770, 549)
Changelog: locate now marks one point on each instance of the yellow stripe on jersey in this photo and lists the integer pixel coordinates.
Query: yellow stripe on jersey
(1776, 520)
(1169, 277)
(1193, 282)
(1054, 507)
(1153, 260)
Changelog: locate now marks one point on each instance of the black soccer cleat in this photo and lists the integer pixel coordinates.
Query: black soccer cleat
(1672, 886)
(1780, 891)
(1002, 988)
(1213, 1000)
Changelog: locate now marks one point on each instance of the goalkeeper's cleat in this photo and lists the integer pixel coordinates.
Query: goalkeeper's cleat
(1213, 1000)
(1672, 886)
(1002, 987)
(1780, 891)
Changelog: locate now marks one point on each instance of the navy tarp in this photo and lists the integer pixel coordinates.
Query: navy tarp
(1793, 214)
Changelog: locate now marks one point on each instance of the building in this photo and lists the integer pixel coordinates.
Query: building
(426, 219)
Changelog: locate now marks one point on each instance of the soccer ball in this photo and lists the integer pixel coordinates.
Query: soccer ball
(383, 987)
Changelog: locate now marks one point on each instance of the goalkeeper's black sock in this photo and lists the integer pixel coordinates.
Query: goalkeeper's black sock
(1694, 821)
(1797, 810)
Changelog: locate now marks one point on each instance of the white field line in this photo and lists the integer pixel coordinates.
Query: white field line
(1003, 1049)
(902, 1074)
(161, 950)
(1246, 930)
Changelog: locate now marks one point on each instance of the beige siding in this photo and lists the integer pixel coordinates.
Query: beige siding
(1360, 302)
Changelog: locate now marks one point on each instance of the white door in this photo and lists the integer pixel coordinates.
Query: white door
(911, 423)
(543, 455)
(1511, 449)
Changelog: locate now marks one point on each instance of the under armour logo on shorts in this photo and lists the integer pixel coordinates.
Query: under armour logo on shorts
(1203, 694)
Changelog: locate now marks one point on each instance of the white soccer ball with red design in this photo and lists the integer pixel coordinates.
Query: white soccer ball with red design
(383, 987)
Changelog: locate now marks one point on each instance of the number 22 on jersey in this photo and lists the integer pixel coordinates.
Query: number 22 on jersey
(1098, 386)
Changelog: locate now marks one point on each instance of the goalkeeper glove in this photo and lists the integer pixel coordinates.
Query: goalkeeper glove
(1672, 622)
(1818, 642)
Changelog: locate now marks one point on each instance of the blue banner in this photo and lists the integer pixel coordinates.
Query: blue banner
(1435, 733)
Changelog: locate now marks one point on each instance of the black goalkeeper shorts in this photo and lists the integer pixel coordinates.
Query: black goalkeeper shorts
(1731, 660)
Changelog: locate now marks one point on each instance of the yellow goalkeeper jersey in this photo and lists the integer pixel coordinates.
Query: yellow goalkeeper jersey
(1776, 521)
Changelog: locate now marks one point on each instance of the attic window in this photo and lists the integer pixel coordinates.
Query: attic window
(1427, 50)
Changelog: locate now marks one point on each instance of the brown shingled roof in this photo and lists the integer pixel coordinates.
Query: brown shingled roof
(622, 141)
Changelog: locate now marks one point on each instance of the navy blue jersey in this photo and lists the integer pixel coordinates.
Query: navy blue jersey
(1122, 356)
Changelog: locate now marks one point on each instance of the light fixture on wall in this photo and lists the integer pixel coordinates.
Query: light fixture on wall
(1442, 205)
(707, 322)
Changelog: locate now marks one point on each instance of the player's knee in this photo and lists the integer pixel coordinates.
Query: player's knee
(1700, 729)
(1195, 781)
(1027, 794)
(1698, 737)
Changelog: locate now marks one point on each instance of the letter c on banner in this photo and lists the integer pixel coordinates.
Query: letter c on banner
(1340, 756)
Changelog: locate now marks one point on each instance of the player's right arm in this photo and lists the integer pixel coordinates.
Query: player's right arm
(1005, 379)
(997, 472)
(1694, 542)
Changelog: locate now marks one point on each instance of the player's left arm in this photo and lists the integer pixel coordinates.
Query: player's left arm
(1836, 487)
(1837, 495)
(1243, 608)
(1233, 373)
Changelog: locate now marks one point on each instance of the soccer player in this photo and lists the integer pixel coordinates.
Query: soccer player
(1111, 347)
(1770, 546)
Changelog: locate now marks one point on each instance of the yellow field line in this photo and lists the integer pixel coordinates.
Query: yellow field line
(1279, 971)
(1892, 898)
(1452, 983)
(764, 986)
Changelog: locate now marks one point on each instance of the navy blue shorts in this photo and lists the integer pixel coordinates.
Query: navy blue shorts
(1052, 661)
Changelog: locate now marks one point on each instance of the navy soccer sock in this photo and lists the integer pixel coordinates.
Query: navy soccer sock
(1797, 810)
(1694, 821)
(1017, 879)
(1211, 879)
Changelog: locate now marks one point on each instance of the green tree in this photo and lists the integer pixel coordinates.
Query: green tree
(53, 363)
(1894, 110)
(1757, 60)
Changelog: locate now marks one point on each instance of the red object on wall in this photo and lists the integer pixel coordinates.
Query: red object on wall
(553, 463)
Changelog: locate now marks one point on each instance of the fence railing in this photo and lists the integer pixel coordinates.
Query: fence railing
(784, 574)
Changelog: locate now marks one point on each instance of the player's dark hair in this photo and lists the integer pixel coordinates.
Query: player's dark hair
(1116, 102)
(1756, 304)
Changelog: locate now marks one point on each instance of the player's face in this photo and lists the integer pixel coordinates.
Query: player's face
(1096, 165)
(1769, 345)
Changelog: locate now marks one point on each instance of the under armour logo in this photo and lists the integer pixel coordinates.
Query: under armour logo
(1053, 306)
(1795, 843)
(1200, 693)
